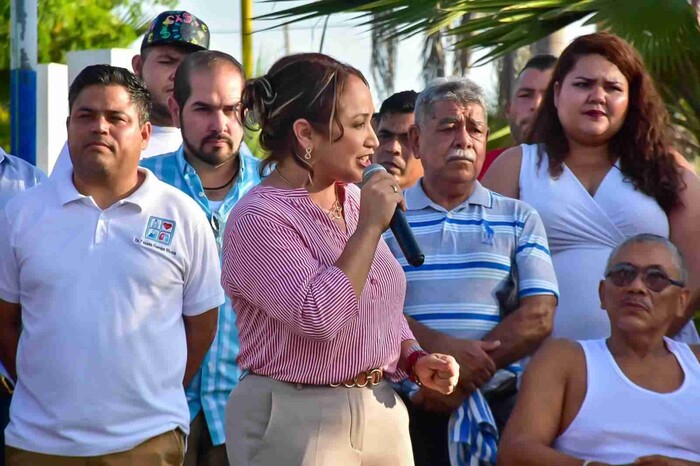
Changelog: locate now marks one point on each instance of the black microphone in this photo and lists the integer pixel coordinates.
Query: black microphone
(399, 226)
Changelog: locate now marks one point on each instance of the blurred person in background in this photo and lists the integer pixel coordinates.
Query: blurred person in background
(530, 86)
(394, 152)
(171, 36)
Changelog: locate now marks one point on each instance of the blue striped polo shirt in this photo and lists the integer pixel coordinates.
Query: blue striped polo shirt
(470, 252)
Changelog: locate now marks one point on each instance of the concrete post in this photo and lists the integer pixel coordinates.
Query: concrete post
(23, 60)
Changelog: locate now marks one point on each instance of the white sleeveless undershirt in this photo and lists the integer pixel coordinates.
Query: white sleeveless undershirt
(620, 421)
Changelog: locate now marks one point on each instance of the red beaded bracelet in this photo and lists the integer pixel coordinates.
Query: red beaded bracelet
(411, 361)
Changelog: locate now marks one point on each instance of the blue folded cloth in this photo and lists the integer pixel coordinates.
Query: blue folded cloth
(472, 433)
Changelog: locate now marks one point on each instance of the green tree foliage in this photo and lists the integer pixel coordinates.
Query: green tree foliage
(65, 25)
(666, 33)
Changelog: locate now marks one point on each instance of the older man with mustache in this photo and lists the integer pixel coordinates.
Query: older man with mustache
(487, 291)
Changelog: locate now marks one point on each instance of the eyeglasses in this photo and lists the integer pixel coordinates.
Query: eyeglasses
(653, 277)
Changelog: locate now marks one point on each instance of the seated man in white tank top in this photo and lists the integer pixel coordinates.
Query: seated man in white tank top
(633, 398)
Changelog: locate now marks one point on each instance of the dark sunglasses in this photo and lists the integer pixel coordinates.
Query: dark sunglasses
(653, 277)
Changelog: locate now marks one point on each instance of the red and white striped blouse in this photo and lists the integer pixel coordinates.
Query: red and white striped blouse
(297, 315)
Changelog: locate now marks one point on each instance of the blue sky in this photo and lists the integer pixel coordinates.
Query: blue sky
(344, 42)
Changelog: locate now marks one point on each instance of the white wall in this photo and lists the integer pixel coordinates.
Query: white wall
(51, 112)
(78, 60)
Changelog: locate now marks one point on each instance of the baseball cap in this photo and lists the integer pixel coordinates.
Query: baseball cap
(177, 27)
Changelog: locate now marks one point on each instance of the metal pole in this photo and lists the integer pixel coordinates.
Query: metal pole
(23, 60)
(247, 35)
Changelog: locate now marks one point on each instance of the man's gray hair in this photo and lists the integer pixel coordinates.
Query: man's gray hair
(676, 255)
(461, 90)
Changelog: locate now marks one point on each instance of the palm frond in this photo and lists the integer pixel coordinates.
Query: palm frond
(666, 32)
(659, 28)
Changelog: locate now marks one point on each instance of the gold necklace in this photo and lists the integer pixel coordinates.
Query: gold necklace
(336, 210)
(284, 178)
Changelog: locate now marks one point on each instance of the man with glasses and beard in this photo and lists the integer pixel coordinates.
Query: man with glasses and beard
(633, 398)
(215, 169)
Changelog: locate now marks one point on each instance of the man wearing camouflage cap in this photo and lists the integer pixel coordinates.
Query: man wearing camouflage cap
(171, 36)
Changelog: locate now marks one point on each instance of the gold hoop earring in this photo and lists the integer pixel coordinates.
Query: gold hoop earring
(307, 153)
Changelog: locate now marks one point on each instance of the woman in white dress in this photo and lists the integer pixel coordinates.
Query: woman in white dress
(599, 168)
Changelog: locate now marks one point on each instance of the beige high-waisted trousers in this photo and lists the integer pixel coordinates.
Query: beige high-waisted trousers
(272, 423)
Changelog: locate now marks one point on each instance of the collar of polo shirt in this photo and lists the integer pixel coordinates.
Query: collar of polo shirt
(67, 192)
(416, 198)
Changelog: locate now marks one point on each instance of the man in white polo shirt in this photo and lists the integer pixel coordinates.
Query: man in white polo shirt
(109, 284)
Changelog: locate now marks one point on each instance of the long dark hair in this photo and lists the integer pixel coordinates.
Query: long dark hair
(305, 85)
(642, 144)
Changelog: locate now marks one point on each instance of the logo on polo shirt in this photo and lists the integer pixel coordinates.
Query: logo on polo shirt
(160, 230)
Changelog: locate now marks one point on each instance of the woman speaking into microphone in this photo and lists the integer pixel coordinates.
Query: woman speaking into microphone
(317, 293)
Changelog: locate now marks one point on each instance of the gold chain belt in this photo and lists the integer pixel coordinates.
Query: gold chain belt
(363, 379)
